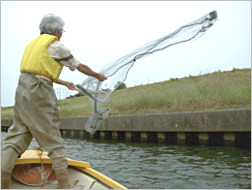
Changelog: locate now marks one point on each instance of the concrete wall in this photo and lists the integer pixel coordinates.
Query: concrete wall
(225, 127)
(211, 121)
(207, 121)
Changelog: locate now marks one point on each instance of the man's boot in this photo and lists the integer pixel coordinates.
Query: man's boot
(62, 177)
(9, 156)
(5, 179)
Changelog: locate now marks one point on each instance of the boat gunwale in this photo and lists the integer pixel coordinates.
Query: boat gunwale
(80, 165)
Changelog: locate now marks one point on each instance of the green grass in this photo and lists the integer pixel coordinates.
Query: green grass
(6, 112)
(208, 92)
(215, 91)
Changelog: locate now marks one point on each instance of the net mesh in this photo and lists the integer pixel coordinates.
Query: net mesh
(117, 71)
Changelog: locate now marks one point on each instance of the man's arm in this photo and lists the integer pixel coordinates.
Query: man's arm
(88, 71)
(85, 70)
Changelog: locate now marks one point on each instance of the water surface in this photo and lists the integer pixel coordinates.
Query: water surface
(155, 166)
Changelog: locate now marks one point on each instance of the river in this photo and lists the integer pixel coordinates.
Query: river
(161, 166)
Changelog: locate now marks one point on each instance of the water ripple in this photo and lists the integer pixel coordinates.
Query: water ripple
(152, 166)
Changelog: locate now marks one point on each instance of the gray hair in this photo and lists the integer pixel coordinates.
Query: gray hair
(50, 23)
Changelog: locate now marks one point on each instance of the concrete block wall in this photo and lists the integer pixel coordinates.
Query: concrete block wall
(220, 128)
(217, 128)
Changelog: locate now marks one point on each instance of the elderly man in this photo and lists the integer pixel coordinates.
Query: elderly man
(35, 111)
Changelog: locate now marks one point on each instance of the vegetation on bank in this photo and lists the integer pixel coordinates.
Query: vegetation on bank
(215, 91)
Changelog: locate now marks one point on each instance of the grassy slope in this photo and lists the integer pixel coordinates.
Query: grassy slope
(216, 91)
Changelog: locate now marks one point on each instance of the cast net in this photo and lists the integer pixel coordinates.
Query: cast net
(117, 71)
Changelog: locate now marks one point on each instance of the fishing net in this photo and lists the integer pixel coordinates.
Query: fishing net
(117, 71)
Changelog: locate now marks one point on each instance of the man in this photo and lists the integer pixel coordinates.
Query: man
(35, 112)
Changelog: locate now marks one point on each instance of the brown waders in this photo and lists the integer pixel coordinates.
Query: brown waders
(35, 115)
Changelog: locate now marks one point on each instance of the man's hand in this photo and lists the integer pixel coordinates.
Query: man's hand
(69, 85)
(101, 77)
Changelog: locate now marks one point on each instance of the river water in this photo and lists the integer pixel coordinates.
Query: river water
(161, 166)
